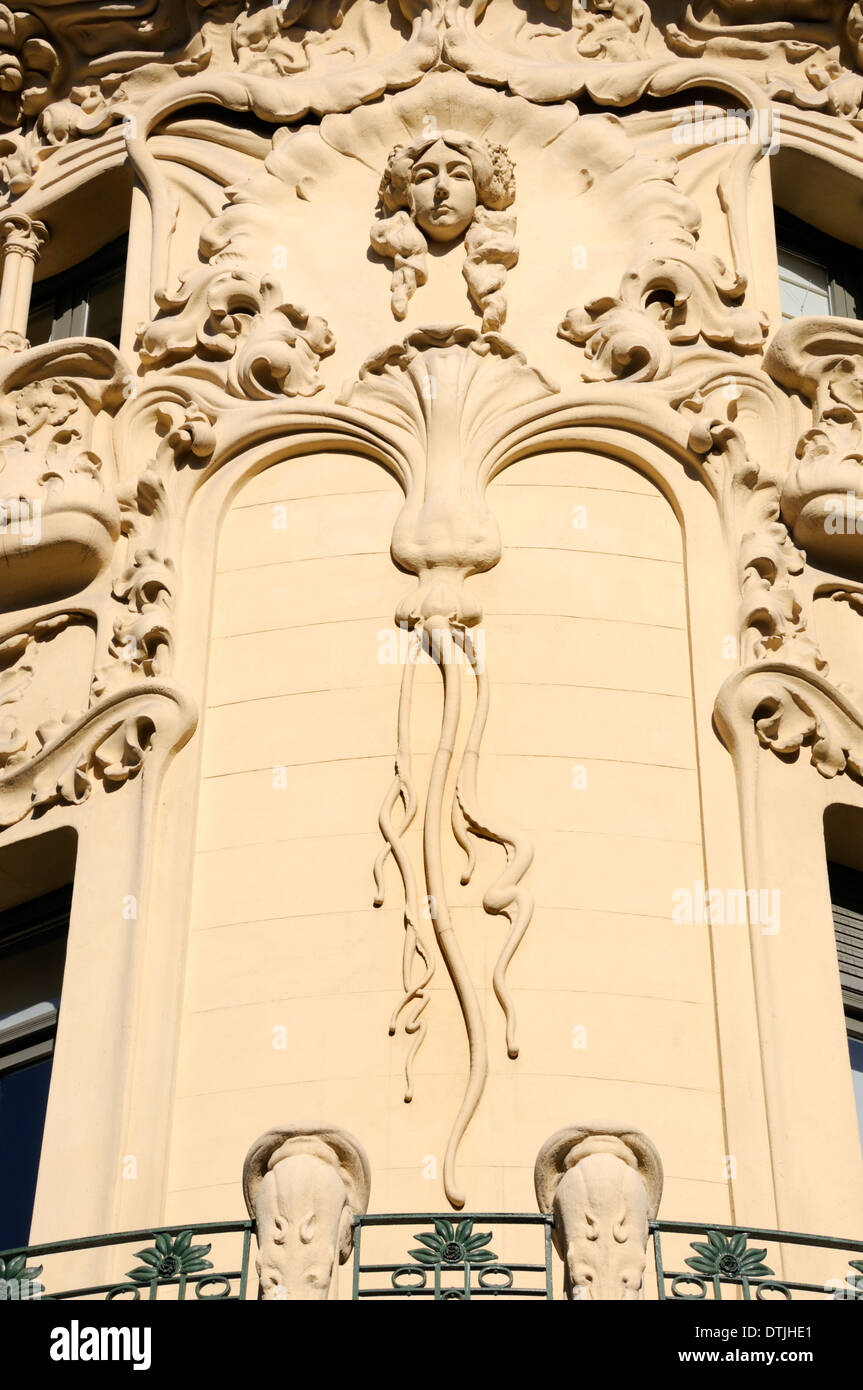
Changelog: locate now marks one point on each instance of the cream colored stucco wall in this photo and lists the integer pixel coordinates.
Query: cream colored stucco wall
(681, 653)
(586, 641)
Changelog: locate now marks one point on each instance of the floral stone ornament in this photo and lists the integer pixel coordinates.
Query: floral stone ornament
(728, 1258)
(169, 1259)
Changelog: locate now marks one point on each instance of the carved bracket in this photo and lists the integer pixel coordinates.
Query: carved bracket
(107, 743)
(791, 709)
(602, 1184)
(303, 1187)
(822, 499)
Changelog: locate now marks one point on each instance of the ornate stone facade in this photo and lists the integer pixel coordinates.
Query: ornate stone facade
(451, 330)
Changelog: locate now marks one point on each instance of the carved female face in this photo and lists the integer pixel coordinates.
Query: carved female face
(443, 192)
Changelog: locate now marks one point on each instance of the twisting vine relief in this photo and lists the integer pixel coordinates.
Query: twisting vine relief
(442, 391)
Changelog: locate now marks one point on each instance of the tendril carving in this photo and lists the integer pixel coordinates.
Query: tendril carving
(447, 394)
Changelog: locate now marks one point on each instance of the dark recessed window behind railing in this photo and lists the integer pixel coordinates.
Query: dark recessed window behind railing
(32, 959)
(85, 301)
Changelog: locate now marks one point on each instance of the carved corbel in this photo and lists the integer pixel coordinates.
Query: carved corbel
(602, 1184)
(60, 520)
(740, 468)
(790, 710)
(22, 240)
(108, 742)
(303, 1187)
(822, 498)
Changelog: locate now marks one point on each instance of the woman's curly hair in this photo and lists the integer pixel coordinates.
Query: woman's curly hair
(489, 242)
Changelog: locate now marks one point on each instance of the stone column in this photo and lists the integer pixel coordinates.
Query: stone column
(602, 1184)
(22, 239)
(303, 1186)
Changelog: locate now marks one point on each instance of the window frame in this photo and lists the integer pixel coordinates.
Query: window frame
(26, 1040)
(841, 261)
(69, 291)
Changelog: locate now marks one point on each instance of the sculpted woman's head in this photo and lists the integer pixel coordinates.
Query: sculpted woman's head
(441, 180)
(438, 189)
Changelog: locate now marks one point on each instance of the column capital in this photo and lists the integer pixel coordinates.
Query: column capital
(23, 234)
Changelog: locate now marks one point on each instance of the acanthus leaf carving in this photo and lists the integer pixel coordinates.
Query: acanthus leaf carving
(226, 314)
(790, 710)
(142, 639)
(107, 742)
(772, 615)
(678, 294)
(822, 497)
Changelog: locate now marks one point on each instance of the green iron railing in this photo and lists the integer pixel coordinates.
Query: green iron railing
(453, 1259)
(402, 1255)
(733, 1262)
(173, 1265)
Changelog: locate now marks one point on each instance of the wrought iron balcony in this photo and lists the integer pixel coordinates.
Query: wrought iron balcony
(428, 1256)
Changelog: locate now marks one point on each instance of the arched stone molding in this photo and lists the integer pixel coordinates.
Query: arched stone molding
(781, 723)
(678, 424)
(651, 437)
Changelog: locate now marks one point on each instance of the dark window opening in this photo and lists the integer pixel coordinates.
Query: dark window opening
(32, 958)
(846, 897)
(817, 273)
(85, 301)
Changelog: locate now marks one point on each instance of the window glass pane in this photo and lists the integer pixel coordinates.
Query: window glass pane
(855, 1048)
(23, 1098)
(86, 299)
(32, 957)
(33, 972)
(804, 285)
(106, 307)
(39, 324)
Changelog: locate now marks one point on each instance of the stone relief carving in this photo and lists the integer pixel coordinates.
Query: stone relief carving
(602, 1184)
(822, 498)
(142, 638)
(448, 391)
(68, 74)
(812, 50)
(773, 610)
(223, 315)
(786, 695)
(303, 1186)
(67, 517)
(227, 335)
(447, 186)
(106, 743)
(675, 294)
(20, 657)
(61, 542)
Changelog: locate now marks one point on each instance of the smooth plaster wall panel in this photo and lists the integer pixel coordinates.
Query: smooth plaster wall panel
(587, 651)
